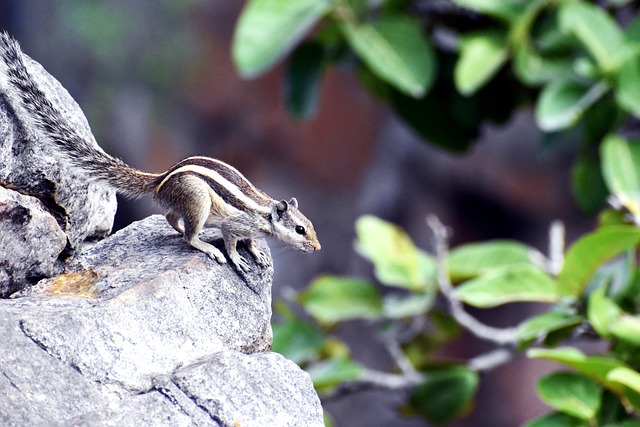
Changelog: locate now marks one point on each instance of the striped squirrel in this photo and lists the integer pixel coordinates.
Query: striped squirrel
(196, 192)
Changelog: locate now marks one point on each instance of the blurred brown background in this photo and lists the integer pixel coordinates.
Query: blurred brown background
(157, 84)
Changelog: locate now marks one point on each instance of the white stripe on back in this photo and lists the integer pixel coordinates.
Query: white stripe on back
(213, 175)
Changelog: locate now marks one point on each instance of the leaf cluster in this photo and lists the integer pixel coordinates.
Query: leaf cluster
(595, 293)
(446, 68)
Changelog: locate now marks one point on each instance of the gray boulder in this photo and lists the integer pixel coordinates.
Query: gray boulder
(138, 329)
(233, 388)
(141, 327)
(82, 209)
(30, 241)
(147, 303)
(85, 209)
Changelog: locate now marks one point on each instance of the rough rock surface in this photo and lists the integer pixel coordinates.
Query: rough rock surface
(83, 209)
(146, 329)
(233, 387)
(153, 300)
(24, 224)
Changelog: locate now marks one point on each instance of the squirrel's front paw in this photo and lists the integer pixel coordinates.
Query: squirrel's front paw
(218, 256)
(240, 262)
(211, 251)
(261, 258)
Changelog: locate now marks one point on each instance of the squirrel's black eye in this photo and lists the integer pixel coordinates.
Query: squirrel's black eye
(300, 230)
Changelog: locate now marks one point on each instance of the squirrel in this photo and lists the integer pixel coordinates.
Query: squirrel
(196, 192)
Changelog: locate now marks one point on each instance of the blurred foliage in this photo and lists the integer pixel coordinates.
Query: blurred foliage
(446, 68)
(143, 46)
(116, 36)
(594, 295)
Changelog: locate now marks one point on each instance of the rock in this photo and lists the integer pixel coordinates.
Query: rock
(82, 209)
(41, 390)
(154, 304)
(142, 329)
(31, 241)
(234, 390)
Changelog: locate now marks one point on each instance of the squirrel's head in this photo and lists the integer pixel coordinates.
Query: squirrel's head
(290, 226)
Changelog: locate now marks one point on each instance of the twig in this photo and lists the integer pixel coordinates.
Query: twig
(375, 380)
(391, 381)
(556, 247)
(553, 263)
(473, 325)
(392, 345)
(490, 360)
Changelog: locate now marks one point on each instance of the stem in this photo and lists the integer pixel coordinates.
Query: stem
(490, 360)
(470, 323)
(556, 247)
(402, 362)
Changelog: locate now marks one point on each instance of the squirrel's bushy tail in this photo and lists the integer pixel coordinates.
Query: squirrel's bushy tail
(81, 153)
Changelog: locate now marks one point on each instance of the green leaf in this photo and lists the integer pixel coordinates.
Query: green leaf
(588, 186)
(303, 81)
(446, 394)
(627, 87)
(522, 283)
(632, 32)
(328, 374)
(612, 410)
(442, 128)
(611, 217)
(328, 419)
(506, 10)
(600, 121)
(294, 338)
(541, 325)
(571, 393)
(474, 259)
(398, 262)
(400, 307)
(591, 251)
(396, 51)
(331, 299)
(617, 277)
(602, 312)
(625, 376)
(625, 423)
(596, 367)
(532, 68)
(563, 102)
(481, 56)
(557, 419)
(268, 29)
(627, 328)
(598, 31)
(621, 171)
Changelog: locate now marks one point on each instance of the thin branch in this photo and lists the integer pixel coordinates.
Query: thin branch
(490, 360)
(392, 345)
(375, 380)
(378, 380)
(553, 263)
(473, 325)
(389, 381)
(556, 247)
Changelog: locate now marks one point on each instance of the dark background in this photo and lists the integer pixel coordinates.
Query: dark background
(157, 84)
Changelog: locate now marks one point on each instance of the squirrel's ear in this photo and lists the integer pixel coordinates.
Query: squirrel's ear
(279, 208)
(294, 202)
